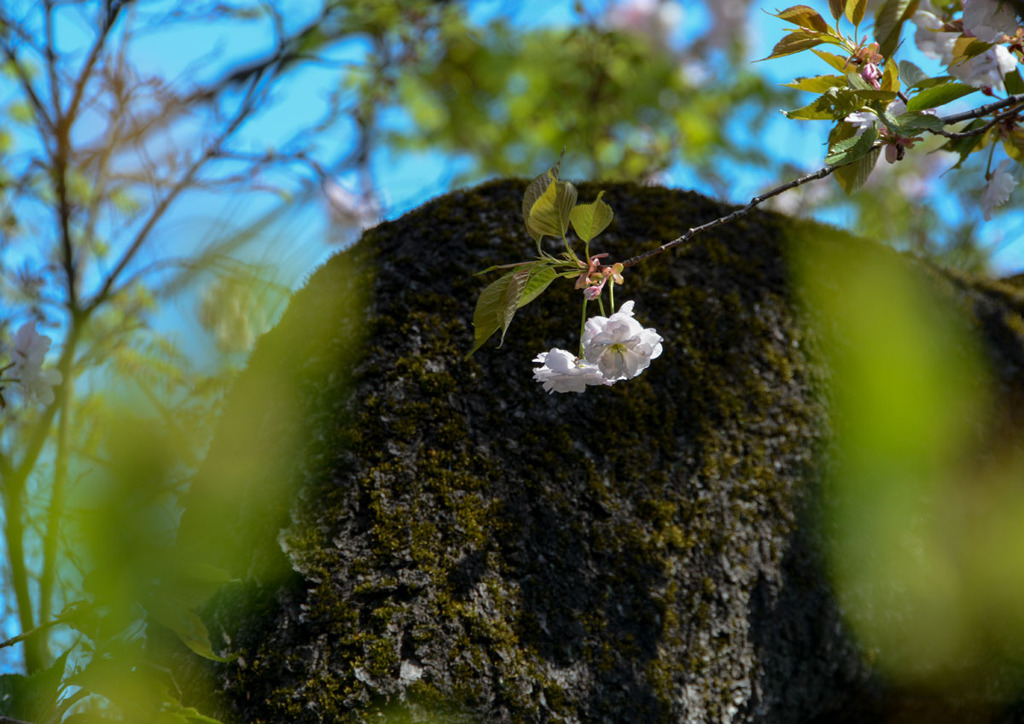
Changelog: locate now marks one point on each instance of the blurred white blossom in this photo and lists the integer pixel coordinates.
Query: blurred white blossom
(985, 70)
(931, 39)
(27, 357)
(653, 19)
(349, 209)
(997, 191)
(989, 20)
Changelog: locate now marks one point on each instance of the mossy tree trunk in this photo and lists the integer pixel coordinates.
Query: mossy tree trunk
(418, 533)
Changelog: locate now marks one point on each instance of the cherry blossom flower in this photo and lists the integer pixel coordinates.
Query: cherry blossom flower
(349, 209)
(27, 357)
(619, 346)
(998, 189)
(985, 70)
(989, 20)
(894, 144)
(560, 371)
(654, 19)
(931, 38)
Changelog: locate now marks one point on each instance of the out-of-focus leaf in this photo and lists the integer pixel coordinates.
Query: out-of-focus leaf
(889, 20)
(855, 10)
(891, 78)
(911, 74)
(836, 8)
(32, 698)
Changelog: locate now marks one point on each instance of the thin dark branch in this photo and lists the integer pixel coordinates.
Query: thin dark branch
(983, 110)
(742, 211)
(162, 205)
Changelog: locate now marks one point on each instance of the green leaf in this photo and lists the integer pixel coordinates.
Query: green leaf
(33, 697)
(836, 61)
(498, 303)
(889, 20)
(836, 8)
(1014, 84)
(818, 84)
(850, 149)
(891, 78)
(185, 623)
(966, 145)
(805, 17)
(939, 95)
(819, 110)
(855, 10)
(534, 191)
(911, 74)
(549, 214)
(911, 123)
(589, 220)
(797, 40)
(852, 176)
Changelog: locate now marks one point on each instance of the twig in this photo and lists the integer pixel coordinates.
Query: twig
(1012, 103)
(742, 211)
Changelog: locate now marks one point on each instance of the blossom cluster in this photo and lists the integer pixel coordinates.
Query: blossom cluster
(26, 366)
(614, 348)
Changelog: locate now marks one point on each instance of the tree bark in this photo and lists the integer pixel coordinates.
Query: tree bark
(423, 534)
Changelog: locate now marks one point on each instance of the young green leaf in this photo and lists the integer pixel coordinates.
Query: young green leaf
(534, 191)
(889, 20)
(498, 303)
(851, 176)
(589, 220)
(891, 78)
(911, 74)
(805, 17)
(855, 10)
(913, 122)
(1014, 84)
(850, 149)
(818, 84)
(795, 41)
(836, 61)
(939, 95)
(549, 214)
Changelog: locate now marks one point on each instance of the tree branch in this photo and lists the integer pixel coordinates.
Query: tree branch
(742, 211)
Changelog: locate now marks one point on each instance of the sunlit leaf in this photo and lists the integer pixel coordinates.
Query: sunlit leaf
(836, 61)
(795, 41)
(549, 215)
(805, 17)
(589, 220)
(891, 78)
(939, 96)
(889, 20)
(850, 149)
(855, 10)
(836, 8)
(818, 84)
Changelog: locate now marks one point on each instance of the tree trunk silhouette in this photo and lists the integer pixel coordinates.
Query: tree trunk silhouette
(424, 536)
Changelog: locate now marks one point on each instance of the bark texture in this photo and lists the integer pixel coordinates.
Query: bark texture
(428, 537)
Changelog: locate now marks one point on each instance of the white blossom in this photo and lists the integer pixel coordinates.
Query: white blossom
(930, 38)
(27, 356)
(619, 345)
(985, 70)
(655, 20)
(997, 191)
(989, 20)
(560, 371)
(349, 209)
